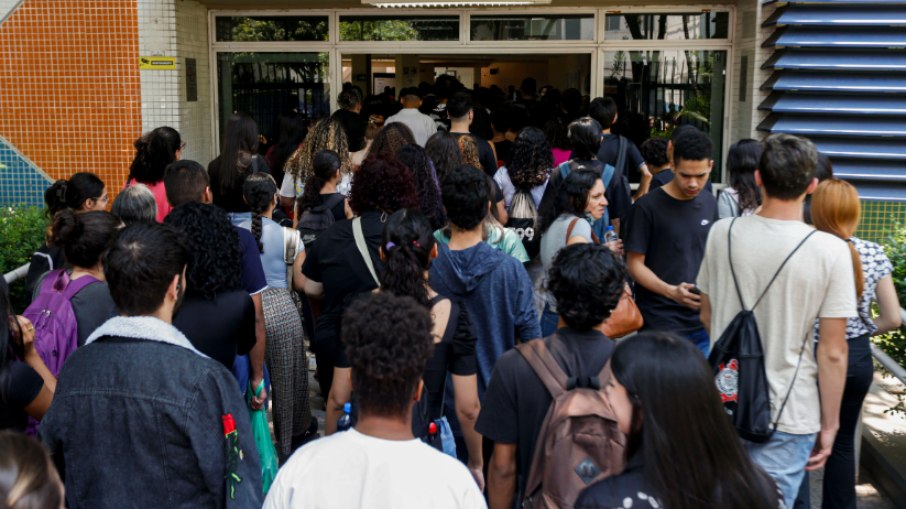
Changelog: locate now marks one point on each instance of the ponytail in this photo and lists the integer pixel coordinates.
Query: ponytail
(325, 165)
(407, 243)
(153, 152)
(85, 237)
(259, 190)
(73, 193)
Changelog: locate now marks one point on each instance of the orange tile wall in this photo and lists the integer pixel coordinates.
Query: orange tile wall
(70, 96)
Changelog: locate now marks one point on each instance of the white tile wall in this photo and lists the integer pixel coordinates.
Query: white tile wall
(7, 7)
(157, 37)
(195, 117)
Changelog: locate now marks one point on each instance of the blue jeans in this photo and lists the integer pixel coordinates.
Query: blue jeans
(549, 321)
(784, 457)
(701, 340)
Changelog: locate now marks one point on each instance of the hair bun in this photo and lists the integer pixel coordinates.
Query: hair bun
(66, 227)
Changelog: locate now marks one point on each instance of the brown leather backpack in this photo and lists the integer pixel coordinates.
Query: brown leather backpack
(579, 442)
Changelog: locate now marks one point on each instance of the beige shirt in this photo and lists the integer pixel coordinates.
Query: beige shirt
(817, 282)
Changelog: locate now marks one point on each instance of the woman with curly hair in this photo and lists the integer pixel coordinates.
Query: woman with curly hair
(407, 250)
(237, 160)
(217, 314)
(153, 152)
(416, 159)
(529, 168)
(327, 134)
(391, 139)
(285, 350)
(443, 149)
(336, 270)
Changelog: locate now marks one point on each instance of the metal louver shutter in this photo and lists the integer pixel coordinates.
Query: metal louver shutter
(839, 79)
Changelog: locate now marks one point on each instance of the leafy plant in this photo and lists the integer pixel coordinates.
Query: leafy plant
(21, 234)
(894, 343)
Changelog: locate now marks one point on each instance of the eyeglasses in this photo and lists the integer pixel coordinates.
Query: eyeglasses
(182, 145)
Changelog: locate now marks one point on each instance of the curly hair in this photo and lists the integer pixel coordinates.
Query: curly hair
(391, 139)
(214, 258)
(443, 149)
(587, 281)
(383, 184)
(469, 150)
(388, 341)
(571, 196)
(325, 164)
(326, 134)
(416, 159)
(85, 237)
(259, 191)
(654, 152)
(466, 196)
(153, 152)
(407, 244)
(530, 163)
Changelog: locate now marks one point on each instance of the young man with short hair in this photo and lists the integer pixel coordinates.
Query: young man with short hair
(492, 285)
(666, 241)
(460, 109)
(586, 280)
(140, 418)
(816, 283)
(349, 115)
(605, 111)
(187, 181)
(422, 126)
(379, 463)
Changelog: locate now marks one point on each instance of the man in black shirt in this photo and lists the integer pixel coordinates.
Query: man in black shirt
(460, 110)
(587, 281)
(666, 242)
(666, 175)
(619, 195)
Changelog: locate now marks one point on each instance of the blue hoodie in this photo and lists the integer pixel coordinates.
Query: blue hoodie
(497, 293)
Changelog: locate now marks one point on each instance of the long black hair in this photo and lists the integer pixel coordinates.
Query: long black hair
(416, 159)
(259, 190)
(443, 149)
(292, 128)
(407, 244)
(742, 160)
(240, 143)
(530, 163)
(325, 165)
(692, 456)
(571, 197)
(73, 193)
(153, 152)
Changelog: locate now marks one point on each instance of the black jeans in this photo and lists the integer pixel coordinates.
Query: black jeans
(839, 490)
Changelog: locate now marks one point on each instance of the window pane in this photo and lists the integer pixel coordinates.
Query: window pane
(695, 25)
(659, 90)
(267, 84)
(396, 28)
(533, 28)
(272, 28)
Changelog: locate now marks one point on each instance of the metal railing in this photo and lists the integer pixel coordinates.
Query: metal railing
(16, 274)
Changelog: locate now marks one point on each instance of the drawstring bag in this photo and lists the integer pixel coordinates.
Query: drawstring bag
(262, 433)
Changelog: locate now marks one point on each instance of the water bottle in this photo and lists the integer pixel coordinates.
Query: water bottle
(610, 235)
(345, 420)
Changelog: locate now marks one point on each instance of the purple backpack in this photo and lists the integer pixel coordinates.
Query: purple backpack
(56, 329)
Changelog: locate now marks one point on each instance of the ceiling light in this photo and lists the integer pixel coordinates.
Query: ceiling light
(453, 3)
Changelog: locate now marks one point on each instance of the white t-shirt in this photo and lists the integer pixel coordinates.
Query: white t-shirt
(351, 470)
(817, 282)
(421, 125)
(502, 177)
(292, 187)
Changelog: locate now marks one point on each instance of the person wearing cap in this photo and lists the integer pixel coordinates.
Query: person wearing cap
(422, 125)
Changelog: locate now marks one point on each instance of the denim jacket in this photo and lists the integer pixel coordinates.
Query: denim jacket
(138, 420)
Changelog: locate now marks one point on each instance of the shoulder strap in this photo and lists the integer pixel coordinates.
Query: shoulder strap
(621, 153)
(564, 169)
(543, 364)
(569, 231)
(75, 286)
(773, 278)
(363, 247)
(607, 174)
(290, 239)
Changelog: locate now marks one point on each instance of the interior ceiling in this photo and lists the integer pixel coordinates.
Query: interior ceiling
(357, 4)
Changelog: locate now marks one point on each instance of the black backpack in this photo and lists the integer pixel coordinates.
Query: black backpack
(737, 359)
(523, 219)
(317, 219)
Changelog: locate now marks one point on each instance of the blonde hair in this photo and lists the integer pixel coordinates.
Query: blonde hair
(469, 150)
(28, 479)
(327, 134)
(835, 209)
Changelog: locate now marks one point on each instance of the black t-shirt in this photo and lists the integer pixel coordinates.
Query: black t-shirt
(335, 261)
(338, 210)
(608, 154)
(485, 153)
(516, 401)
(455, 354)
(43, 260)
(354, 126)
(615, 491)
(671, 234)
(22, 385)
(220, 328)
(664, 176)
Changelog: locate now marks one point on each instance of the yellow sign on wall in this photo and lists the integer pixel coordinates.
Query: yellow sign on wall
(157, 63)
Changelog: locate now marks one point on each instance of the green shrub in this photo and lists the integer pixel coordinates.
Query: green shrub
(894, 343)
(21, 234)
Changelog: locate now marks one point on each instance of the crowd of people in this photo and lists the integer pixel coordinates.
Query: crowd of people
(457, 264)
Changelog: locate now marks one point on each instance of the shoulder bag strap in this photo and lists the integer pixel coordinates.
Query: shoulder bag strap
(730, 259)
(801, 242)
(621, 155)
(363, 247)
(569, 231)
(290, 237)
(544, 365)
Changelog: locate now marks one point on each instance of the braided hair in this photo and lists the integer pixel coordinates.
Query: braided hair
(407, 244)
(259, 190)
